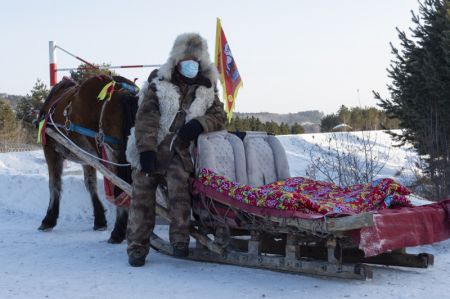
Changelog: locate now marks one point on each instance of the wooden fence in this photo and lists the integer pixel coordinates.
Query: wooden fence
(17, 147)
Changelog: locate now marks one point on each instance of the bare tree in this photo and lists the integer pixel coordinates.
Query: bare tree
(347, 158)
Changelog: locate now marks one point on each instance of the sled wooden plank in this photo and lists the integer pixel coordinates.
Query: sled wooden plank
(91, 161)
(421, 260)
(311, 225)
(205, 240)
(283, 264)
(159, 244)
(349, 222)
(355, 255)
(330, 225)
(161, 211)
(271, 262)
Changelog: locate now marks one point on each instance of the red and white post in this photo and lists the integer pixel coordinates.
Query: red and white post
(52, 61)
(53, 68)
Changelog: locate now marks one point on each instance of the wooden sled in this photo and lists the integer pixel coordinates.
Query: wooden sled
(229, 232)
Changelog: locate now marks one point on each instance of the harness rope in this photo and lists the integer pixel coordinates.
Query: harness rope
(43, 123)
(100, 137)
(82, 150)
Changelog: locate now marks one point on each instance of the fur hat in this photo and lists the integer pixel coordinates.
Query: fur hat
(189, 45)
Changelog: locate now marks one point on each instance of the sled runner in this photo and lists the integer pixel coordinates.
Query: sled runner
(239, 220)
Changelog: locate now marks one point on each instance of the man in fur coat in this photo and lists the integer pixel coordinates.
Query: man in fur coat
(178, 103)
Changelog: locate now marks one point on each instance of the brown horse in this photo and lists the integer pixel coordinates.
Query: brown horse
(71, 105)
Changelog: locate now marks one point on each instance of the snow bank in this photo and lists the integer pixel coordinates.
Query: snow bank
(24, 185)
(399, 164)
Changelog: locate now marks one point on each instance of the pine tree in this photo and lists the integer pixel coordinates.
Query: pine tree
(283, 129)
(254, 124)
(297, 129)
(28, 106)
(39, 93)
(372, 119)
(230, 126)
(356, 119)
(420, 90)
(85, 71)
(8, 123)
(344, 114)
(272, 127)
(24, 110)
(238, 124)
(328, 122)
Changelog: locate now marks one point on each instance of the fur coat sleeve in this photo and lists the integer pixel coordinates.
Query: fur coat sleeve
(147, 123)
(214, 118)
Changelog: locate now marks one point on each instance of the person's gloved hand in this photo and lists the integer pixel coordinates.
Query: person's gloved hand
(190, 131)
(148, 161)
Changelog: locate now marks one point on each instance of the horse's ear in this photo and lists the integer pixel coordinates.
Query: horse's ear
(135, 79)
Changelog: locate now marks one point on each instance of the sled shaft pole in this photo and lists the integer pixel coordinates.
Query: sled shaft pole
(161, 211)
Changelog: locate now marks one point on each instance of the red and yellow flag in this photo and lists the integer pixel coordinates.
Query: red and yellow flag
(229, 74)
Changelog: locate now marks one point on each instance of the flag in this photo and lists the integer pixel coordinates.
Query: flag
(229, 74)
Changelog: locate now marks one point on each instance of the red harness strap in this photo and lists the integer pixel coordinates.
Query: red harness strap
(123, 199)
(42, 131)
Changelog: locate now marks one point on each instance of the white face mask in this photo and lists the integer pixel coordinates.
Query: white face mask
(189, 68)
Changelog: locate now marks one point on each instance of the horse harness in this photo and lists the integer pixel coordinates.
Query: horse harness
(99, 136)
(105, 96)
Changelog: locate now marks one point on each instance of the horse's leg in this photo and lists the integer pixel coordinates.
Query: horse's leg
(90, 181)
(120, 227)
(55, 167)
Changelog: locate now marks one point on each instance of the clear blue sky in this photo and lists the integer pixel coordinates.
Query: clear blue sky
(292, 55)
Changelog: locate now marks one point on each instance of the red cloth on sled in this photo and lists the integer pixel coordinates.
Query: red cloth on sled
(395, 229)
(312, 197)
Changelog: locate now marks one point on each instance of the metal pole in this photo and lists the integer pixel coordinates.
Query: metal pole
(101, 67)
(90, 66)
(77, 57)
(52, 62)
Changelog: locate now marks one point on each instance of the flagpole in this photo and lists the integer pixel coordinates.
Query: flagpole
(226, 66)
(219, 65)
(216, 58)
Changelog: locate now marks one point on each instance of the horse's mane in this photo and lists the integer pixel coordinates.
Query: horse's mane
(123, 79)
(65, 83)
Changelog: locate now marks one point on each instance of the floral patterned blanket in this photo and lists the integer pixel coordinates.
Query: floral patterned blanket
(312, 197)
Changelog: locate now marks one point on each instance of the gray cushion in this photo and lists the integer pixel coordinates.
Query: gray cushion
(266, 159)
(223, 153)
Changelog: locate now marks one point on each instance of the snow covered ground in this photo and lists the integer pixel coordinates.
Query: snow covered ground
(73, 261)
(399, 160)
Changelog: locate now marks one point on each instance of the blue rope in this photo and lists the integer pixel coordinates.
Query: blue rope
(88, 132)
(131, 88)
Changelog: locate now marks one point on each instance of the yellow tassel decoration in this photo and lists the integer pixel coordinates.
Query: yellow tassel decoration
(107, 91)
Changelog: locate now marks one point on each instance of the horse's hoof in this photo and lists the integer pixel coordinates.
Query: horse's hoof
(45, 228)
(100, 228)
(114, 241)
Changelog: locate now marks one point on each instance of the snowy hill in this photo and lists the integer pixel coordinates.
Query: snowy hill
(75, 262)
(398, 160)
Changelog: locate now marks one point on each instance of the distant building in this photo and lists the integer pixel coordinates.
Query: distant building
(342, 128)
